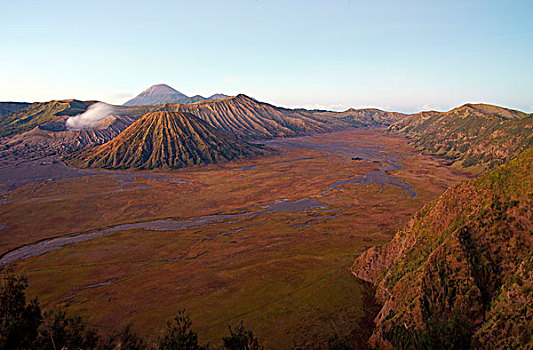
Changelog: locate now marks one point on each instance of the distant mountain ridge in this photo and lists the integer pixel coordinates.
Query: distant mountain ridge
(162, 93)
(165, 140)
(475, 137)
(10, 107)
(365, 116)
(40, 130)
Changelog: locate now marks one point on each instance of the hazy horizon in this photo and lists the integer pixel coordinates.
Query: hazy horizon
(402, 57)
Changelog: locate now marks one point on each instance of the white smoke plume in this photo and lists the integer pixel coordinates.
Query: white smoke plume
(90, 118)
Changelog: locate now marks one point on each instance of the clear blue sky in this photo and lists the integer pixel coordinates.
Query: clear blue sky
(396, 55)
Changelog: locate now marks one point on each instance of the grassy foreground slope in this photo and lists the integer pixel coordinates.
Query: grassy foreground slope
(165, 140)
(474, 136)
(461, 269)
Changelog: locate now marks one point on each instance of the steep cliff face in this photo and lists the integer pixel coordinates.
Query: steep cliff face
(476, 137)
(165, 140)
(464, 259)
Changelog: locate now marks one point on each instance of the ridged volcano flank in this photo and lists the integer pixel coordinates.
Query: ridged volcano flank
(250, 119)
(165, 140)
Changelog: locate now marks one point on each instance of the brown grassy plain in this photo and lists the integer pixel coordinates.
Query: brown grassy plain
(284, 274)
